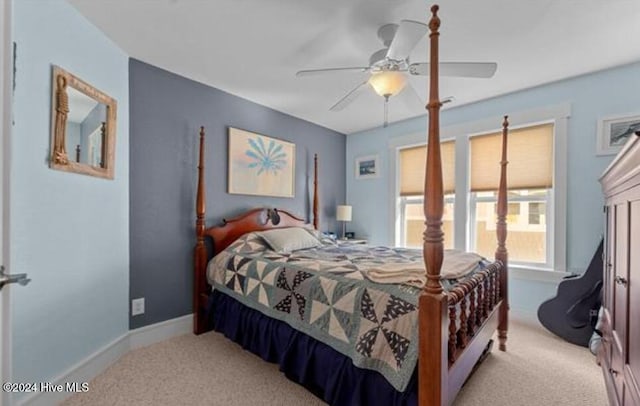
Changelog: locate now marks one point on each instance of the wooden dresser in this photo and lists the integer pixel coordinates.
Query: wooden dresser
(619, 355)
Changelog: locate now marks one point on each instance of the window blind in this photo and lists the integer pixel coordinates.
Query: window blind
(530, 156)
(412, 169)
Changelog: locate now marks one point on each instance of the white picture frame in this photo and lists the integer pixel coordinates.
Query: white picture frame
(614, 131)
(367, 167)
(260, 165)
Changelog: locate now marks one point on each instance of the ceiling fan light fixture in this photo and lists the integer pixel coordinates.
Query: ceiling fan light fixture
(388, 83)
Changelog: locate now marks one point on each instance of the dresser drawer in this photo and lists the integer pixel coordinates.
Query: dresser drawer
(616, 369)
(632, 388)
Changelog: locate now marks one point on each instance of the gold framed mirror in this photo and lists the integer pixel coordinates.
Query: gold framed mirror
(83, 127)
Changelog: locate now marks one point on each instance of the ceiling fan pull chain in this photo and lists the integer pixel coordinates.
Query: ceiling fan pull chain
(386, 111)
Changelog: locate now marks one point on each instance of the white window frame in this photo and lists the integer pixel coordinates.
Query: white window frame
(558, 115)
(549, 232)
(403, 201)
(396, 207)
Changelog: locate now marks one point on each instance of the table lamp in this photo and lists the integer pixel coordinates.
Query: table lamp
(343, 213)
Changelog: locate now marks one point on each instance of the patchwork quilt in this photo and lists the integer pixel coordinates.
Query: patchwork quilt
(324, 293)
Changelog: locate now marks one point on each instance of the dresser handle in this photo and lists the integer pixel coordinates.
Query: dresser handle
(613, 372)
(621, 281)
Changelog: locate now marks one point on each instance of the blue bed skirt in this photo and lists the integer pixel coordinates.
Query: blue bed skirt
(322, 370)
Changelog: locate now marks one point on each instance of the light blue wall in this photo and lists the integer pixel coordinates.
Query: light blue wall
(609, 92)
(70, 232)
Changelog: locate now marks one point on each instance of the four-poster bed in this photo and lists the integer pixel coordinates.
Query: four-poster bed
(452, 329)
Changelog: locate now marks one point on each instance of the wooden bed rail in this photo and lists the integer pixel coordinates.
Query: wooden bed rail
(470, 304)
(471, 312)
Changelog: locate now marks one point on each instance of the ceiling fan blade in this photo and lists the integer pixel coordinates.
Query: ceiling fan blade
(311, 72)
(410, 97)
(349, 97)
(406, 38)
(462, 69)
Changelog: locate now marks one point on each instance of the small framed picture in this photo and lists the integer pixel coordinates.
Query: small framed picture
(367, 167)
(349, 235)
(614, 131)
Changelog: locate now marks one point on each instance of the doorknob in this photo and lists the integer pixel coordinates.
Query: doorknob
(20, 278)
(621, 281)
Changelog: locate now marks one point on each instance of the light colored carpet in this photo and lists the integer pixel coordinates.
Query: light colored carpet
(538, 369)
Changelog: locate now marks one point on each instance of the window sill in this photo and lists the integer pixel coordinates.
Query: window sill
(536, 274)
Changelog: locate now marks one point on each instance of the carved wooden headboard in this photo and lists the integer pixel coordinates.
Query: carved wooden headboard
(253, 220)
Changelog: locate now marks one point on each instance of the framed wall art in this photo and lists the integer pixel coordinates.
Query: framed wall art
(614, 131)
(260, 165)
(367, 167)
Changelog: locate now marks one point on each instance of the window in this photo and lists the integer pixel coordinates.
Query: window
(513, 212)
(527, 241)
(536, 188)
(530, 183)
(412, 162)
(536, 213)
(412, 221)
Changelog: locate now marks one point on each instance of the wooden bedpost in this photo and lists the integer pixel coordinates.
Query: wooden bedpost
(433, 365)
(501, 231)
(315, 191)
(200, 254)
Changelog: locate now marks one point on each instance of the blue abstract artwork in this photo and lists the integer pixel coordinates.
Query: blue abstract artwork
(260, 165)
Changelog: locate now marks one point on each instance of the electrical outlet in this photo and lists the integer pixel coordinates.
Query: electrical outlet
(137, 306)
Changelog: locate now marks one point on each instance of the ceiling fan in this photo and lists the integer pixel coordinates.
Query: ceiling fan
(389, 66)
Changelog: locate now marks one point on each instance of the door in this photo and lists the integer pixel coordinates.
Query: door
(5, 126)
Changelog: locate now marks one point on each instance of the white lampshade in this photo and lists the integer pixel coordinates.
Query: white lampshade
(343, 213)
(388, 83)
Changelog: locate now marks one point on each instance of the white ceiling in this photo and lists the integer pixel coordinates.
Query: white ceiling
(252, 48)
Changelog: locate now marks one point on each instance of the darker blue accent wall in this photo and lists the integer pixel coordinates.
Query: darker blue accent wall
(166, 111)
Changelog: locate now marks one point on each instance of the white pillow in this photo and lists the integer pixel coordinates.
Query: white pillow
(289, 239)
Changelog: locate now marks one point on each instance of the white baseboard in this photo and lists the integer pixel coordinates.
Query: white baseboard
(147, 335)
(83, 371)
(524, 315)
(96, 363)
